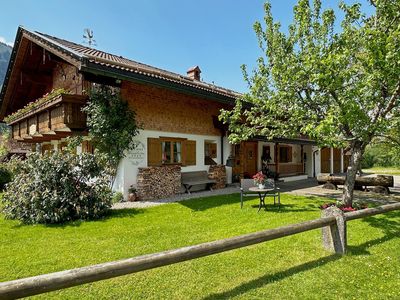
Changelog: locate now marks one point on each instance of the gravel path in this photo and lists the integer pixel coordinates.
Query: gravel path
(176, 198)
(308, 187)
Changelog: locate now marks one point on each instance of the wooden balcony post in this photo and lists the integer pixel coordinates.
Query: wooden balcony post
(37, 123)
(49, 122)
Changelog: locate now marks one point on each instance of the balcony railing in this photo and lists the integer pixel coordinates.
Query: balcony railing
(53, 119)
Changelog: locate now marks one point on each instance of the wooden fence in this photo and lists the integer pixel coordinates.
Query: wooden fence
(333, 223)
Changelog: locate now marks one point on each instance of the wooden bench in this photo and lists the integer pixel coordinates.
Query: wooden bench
(190, 179)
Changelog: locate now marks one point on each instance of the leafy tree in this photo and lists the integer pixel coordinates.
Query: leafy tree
(111, 123)
(341, 88)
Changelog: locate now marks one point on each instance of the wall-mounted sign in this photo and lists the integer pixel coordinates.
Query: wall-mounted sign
(136, 156)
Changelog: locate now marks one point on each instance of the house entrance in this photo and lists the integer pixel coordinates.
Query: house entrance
(325, 160)
(249, 159)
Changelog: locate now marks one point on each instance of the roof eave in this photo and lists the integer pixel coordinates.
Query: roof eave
(98, 69)
(9, 69)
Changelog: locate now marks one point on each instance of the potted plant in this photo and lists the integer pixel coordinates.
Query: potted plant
(132, 194)
(259, 179)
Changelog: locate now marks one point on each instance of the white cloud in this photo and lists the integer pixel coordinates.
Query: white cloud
(3, 40)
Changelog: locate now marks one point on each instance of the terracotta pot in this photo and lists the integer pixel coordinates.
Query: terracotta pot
(132, 197)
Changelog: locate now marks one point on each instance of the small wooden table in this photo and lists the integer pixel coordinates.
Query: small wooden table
(262, 193)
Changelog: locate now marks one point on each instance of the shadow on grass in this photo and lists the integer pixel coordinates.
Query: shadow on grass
(271, 278)
(286, 208)
(386, 222)
(389, 226)
(201, 204)
(111, 214)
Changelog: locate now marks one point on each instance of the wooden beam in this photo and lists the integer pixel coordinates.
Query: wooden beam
(59, 280)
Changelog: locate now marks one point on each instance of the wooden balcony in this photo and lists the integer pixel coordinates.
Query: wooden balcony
(57, 118)
(288, 168)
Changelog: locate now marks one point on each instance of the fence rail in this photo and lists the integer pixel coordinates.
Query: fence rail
(59, 280)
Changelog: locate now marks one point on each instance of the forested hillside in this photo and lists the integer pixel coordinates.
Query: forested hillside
(5, 53)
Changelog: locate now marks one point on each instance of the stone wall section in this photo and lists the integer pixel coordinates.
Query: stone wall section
(158, 182)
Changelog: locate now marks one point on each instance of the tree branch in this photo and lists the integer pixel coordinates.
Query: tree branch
(392, 101)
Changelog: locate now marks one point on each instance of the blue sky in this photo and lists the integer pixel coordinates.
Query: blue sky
(174, 35)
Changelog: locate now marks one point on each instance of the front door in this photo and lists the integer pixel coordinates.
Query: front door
(250, 159)
(325, 160)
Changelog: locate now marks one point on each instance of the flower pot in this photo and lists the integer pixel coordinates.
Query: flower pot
(132, 197)
(261, 186)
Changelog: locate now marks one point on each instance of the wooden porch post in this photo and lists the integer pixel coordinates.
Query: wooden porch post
(276, 148)
(302, 158)
(331, 160)
(341, 161)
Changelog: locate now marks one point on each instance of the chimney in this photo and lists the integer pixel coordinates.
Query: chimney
(194, 73)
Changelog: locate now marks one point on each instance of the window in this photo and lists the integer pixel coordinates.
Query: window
(210, 152)
(210, 149)
(164, 150)
(285, 154)
(171, 152)
(48, 148)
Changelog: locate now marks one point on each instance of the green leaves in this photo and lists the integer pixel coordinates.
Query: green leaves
(337, 87)
(112, 124)
(57, 187)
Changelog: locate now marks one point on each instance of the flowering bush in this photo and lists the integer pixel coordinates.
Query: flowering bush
(259, 178)
(342, 207)
(56, 188)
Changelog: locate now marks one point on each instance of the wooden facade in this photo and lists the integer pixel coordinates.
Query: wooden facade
(166, 110)
(53, 120)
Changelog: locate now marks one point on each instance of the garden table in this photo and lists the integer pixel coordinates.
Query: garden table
(262, 193)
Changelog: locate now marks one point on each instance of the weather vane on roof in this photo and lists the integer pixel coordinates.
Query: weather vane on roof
(89, 37)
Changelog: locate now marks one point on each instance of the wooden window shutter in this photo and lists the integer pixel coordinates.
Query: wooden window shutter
(289, 156)
(87, 147)
(154, 155)
(190, 153)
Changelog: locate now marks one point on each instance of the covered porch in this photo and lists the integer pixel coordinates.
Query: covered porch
(290, 159)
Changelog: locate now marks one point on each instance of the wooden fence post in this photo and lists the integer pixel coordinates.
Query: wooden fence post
(334, 237)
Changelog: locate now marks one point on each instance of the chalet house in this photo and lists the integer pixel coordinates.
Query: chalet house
(181, 131)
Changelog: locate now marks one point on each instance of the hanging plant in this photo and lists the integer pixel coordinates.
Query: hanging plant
(34, 104)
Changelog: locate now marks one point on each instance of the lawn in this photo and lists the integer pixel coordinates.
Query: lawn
(295, 267)
(383, 170)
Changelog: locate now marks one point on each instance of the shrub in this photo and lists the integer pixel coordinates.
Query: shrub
(56, 188)
(5, 177)
(117, 197)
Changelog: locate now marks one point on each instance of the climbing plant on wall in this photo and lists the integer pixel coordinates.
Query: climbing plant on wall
(111, 123)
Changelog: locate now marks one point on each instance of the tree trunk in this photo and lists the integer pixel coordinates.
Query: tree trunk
(380, 180)
(357, 150)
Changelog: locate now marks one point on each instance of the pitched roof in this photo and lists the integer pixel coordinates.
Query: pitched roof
(89, 57)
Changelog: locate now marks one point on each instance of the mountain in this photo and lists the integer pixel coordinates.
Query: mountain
(5, 53)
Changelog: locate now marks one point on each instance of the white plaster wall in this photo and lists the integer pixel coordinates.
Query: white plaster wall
(309, 163)
(317, 160)
(296, 154)
(227, 151)
(128, 167)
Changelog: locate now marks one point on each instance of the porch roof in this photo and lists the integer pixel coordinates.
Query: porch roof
(296, 141)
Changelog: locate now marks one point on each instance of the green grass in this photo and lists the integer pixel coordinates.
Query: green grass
(295, 267)
(383, 170)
